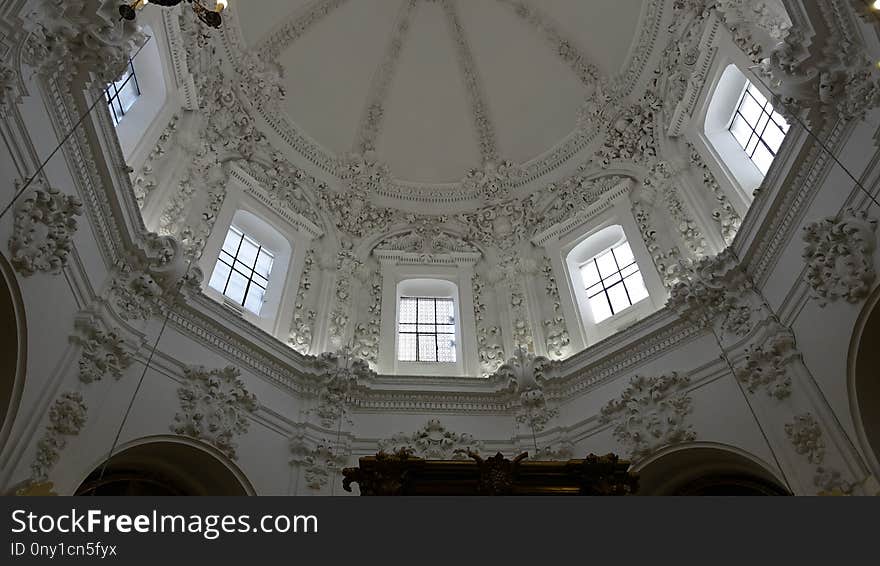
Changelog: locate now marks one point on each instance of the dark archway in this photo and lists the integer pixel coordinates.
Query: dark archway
(864, 379)
(706, 470)
(13, 354)
(165, 467)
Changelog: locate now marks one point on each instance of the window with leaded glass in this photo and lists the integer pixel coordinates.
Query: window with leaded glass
(242, 270)
(758, 128)
(426, 329)
(122, 93)
(613, 282)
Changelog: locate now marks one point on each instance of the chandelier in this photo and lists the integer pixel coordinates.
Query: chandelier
(210, 17)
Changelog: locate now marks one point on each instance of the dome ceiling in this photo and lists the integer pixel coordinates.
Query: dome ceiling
(435, 88)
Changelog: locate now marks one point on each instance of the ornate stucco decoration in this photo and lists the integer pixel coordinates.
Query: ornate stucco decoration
(716, 288)
(339, 373)
(651, 414)
(427, 237)
(87, 33)
(144, 181)
(821, 65)
(364, 174)
(9, 89)
(42, 236)
(490, 351)
(215, 405)
(262, 81)
(766, 365)
(348, 267)
(723, 214)
(303, 318)
(556, 334)
(299, 22)
(806, 437)
(104, 352)
(631, 134)
(366, 332)
(67, 417)
(152, 277)
(319, 459)
(526, 373)
(805, 434)
(492, 182)
(840, 256)
(562, 449)
(432, 442)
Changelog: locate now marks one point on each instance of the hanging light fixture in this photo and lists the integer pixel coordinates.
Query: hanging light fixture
(211, 17)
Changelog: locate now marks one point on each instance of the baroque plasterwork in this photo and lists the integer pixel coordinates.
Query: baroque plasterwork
(104, 352)
(319, 459)
(67, 417)
(769, 239)
(433, 442)
(651, 413)
(805, 435)
(767, 365)
(43, 230)
(241, 58)
(86, 33)
(214, 407)
(839, 254)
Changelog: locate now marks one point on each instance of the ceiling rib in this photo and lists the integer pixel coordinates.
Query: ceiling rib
(476, 97)
(371, 123)
(565, 49)
(295, 26)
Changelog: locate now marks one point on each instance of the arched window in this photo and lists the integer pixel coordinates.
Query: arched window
(428, 328)
(607, 282)
(743, 130)
(758, 128)
(612, 281)
(609, 276)
(122, 93)
(249, 272)
(242, 270)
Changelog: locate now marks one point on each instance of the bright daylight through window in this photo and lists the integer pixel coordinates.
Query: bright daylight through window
(242, 271)
(123, 93)
(613, 282)
(426, 330)
(758, 128)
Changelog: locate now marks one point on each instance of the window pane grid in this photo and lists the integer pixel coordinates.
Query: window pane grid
(122, 94)
(426, 330)
(757, 128)
(619, 284)
(240, 280)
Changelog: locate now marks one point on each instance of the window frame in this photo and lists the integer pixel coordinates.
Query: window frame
(114, 103)
(601, 283)
(253, 273)
(751, 91)
(436, 333)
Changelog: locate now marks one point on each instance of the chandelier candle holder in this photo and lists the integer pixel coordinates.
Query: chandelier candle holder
(210, 17)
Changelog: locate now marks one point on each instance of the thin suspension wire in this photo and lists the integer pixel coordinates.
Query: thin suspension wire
(822, 144)
(81, 119)
(143, 374)
(725, 357)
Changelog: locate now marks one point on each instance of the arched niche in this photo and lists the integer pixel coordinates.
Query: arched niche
(706, 469)
(13, 361)
(166, 466)
(864, 381)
